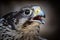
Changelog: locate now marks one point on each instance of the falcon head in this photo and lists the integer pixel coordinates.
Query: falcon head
(34, 13)
(29, 15)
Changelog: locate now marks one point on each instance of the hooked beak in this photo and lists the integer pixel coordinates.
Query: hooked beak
(38, 14)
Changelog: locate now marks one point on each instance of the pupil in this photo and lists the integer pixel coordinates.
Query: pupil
(27, 12)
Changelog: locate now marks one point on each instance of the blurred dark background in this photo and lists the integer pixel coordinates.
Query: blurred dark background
(50, 29)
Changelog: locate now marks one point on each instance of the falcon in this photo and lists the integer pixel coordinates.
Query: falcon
(23, 24)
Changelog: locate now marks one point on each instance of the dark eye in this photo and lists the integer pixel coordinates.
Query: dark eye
(27, 11)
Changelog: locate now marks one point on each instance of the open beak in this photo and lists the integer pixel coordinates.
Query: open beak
(38, 14)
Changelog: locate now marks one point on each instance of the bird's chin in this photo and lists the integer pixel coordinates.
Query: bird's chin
(30, 30)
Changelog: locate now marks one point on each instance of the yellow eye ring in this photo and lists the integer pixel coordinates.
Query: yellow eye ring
(36, 12)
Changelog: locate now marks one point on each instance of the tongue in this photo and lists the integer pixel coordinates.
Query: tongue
(37, 18)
